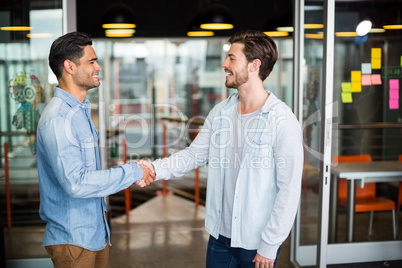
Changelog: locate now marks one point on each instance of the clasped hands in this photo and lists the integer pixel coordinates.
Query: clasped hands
(148, 171)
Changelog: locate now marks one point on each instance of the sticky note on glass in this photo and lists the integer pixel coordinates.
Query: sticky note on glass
(356, 86)
(376, 58)
(401, 60)
(376, 79)
(394, 93)
(375, 63)
(366, 80)
(366, 68)
(376, 53)
(394, 83)
(356, 76)
(393, 104)
(346, 87)
(347, 97)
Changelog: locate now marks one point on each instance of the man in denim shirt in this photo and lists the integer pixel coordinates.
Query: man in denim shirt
(72, 184)
(254, 148)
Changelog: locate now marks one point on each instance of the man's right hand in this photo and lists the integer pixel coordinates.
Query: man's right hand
(148, 173)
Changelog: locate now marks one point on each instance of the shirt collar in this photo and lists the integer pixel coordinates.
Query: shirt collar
(271, 101)
(70, 99)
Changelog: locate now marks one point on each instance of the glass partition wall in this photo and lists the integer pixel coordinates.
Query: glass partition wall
(366, 120)
(26, 86)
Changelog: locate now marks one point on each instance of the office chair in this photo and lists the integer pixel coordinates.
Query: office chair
(366, 199)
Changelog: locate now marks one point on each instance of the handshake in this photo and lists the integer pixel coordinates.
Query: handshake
(148, 171)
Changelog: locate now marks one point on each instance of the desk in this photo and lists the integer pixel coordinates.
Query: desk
(359, 172)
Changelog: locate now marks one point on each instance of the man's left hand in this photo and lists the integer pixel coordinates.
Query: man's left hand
(261, 262)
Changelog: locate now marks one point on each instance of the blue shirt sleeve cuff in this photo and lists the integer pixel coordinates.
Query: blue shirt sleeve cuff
(137, 169)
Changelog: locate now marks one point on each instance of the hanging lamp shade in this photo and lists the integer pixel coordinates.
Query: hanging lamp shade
(194, 29)
(217, 17)
(118, 16)
(275, 27)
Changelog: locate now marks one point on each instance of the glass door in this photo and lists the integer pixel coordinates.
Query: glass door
(364, 119)
(26, 85)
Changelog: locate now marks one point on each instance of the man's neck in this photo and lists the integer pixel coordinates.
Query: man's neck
(77, 92)
(251, 99)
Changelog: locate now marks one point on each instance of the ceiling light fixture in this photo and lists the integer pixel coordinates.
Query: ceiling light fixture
(276, 33)
(288, 29)
(346, 34)
(280, 26)
(313, 26)
(200, 33)
(39, 35)
(118, 26)
(119, 32)
(119, 17)
(377, 30)
(314, 35)
(392, 27)
(216, 17)
(363, 27)
(194, 29)
(16, 28)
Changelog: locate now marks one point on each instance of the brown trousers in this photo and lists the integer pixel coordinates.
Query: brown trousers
(70, 256)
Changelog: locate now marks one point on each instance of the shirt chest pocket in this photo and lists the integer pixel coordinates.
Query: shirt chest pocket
(88, 151)
(261, 146)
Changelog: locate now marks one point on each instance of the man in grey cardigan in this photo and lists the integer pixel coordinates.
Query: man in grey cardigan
(253, 145)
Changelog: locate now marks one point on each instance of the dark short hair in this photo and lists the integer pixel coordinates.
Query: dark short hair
(67, 47)
(258, 45)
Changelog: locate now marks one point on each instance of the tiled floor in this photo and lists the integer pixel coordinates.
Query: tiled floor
(168, 231)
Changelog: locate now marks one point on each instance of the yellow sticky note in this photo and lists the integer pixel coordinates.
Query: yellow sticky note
(376, 53)
(356, 86)
(356, 76)
(376, 63)
(401, 60)
(347, 97)
(346, 87)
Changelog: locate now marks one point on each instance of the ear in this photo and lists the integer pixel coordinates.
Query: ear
(255, 65)
(69, 66)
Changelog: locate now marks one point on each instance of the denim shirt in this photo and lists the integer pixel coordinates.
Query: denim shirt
(268, 185)
(72, 186)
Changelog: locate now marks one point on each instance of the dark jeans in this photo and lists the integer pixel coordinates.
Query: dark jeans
(221, 254)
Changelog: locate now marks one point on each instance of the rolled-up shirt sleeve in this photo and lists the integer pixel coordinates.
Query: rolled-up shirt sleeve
(64, 152)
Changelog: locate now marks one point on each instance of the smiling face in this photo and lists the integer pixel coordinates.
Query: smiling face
(236, 66)
(87, 73)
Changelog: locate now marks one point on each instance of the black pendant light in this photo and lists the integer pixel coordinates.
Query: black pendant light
(119, 21)
(194, 29)
(279, 26)
(216, 17)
